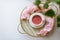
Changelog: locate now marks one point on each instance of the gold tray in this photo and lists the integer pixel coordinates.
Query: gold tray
(24, 24)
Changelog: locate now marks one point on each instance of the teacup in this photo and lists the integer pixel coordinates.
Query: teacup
(37, 20)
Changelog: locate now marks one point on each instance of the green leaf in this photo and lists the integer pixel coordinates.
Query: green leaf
(56, 1)
(50, 13)
(48, 1)
(58, 21)
(37, 2)
(46, 5)
(58, 24)
(58, 18)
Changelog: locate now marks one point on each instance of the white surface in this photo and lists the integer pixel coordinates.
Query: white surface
(9, 20)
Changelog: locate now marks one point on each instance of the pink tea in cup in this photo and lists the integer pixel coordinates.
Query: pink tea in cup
(36, 19)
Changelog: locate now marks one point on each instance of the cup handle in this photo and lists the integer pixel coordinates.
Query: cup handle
(20, 30)
(55, 6)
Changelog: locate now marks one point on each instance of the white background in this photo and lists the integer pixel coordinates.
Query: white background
(9, 19)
